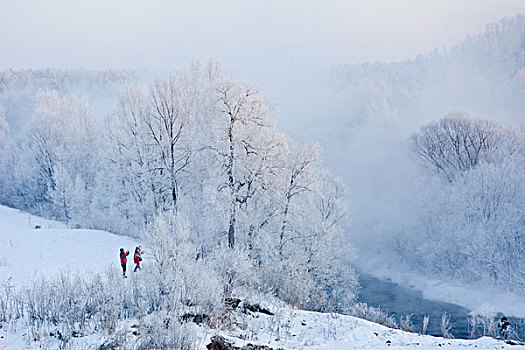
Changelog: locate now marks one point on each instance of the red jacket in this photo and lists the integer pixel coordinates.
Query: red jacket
(136, 257)
(123, 257)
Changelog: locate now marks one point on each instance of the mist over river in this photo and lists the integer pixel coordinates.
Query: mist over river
(400, 301)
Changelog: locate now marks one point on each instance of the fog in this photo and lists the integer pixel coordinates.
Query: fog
(271, 43)
(249, 37)
(361, 114)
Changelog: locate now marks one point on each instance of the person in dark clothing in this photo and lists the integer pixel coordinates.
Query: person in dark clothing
(137, 258)
(504, 327)
(123, 260)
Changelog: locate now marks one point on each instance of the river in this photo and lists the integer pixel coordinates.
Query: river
(401, 301)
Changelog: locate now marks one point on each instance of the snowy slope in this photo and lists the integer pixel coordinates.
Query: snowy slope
(28, 253)
(294, 329)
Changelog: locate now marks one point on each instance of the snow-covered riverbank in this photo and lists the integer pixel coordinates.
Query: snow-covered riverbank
(287, 329)
(479, 298)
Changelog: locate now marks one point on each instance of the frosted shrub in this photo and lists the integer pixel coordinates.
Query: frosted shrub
(483, 324)
(71, 305)
(165, 332)
(70, 300)
(446, 326)
(202, 288)
(343, 295)
(10, 305)
(426, 319)
(373, 314)
(292, 284)
(234, 268)
(406, 324)
(179, 272)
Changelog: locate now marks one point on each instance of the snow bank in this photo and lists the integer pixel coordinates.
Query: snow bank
(295, 329)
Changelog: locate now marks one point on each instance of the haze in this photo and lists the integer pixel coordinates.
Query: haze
(251, 38)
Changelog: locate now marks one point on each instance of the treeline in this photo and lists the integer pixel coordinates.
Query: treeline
(467, 220)
(100, 88)
(196, 148)
(485, 73)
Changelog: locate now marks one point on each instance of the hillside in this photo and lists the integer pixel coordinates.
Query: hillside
(30, 253)
(53, 248)
(483, 74)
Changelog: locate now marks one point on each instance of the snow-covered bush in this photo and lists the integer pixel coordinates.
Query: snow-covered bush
(71, 306)
(374, 314)
(483, 324)
(234, 268)
(446, 326)
(405, 323)
(179, 270)
(165, 332)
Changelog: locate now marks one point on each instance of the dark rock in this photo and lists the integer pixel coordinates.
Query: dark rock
(219, 343)
(76, 334)
(111, 345)
(257, 308)
(198, 318)
(232, 302)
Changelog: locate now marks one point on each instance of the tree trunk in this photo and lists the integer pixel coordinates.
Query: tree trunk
(231, 183)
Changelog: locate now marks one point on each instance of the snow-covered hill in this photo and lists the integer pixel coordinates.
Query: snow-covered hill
(28, 253)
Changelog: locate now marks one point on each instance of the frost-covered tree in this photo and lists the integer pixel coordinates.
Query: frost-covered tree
(153, 142)
(469, 224)
(458, 143)
(301, 178)
(248, 143)
(64, 137)
(196, 166)
(4, 126)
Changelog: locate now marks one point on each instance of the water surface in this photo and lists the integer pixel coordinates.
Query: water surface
(401, 301)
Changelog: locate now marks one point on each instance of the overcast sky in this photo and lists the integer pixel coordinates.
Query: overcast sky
(246, 36)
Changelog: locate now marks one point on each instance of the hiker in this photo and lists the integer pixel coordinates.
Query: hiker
(504, 327)
(123, 260)
(137, 258)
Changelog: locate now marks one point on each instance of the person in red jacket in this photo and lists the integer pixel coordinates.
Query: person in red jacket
(123, 260)
(137, 258)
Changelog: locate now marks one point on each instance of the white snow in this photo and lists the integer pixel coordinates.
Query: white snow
(295, 329)
(28, 252)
